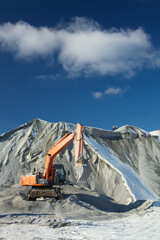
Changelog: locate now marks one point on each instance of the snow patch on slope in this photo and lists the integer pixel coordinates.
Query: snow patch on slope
(133, 182)
(134, 132)
(156, 133)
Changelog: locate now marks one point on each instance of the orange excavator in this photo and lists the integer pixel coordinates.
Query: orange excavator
(48, 183)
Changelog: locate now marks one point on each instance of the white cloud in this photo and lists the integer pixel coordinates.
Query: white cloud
(113, 91)
(82, 46)
(48, 76)
(97, 95)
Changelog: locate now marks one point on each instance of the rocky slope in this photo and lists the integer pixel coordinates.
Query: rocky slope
(121, 165)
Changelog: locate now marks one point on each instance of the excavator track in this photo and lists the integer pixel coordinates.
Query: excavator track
(37, 192)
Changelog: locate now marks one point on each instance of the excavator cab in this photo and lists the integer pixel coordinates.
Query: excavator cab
(59, 174)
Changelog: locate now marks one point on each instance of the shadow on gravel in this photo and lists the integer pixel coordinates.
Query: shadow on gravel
(25, 214)
(107, 204)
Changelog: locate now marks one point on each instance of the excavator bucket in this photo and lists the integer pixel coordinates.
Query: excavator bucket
(82, 173)
(79, 172)
(78, 145)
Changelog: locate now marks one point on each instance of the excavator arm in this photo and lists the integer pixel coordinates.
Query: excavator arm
(58, 147)
(77, 136)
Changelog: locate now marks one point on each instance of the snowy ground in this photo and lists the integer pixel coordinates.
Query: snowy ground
(134, 226)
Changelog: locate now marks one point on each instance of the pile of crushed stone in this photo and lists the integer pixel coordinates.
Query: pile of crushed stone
(123, 172)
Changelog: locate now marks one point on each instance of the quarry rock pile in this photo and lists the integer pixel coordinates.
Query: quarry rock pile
(122, 166)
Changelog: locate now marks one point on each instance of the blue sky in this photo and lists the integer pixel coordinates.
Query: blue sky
(93, 62)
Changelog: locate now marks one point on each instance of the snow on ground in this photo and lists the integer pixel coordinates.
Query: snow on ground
(134, 226)
(133, 182)
(156, 133)
(132, 130)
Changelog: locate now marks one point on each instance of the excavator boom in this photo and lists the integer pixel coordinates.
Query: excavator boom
(58, 147)
(77, 136)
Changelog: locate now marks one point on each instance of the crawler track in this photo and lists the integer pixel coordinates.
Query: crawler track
(38, 192)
